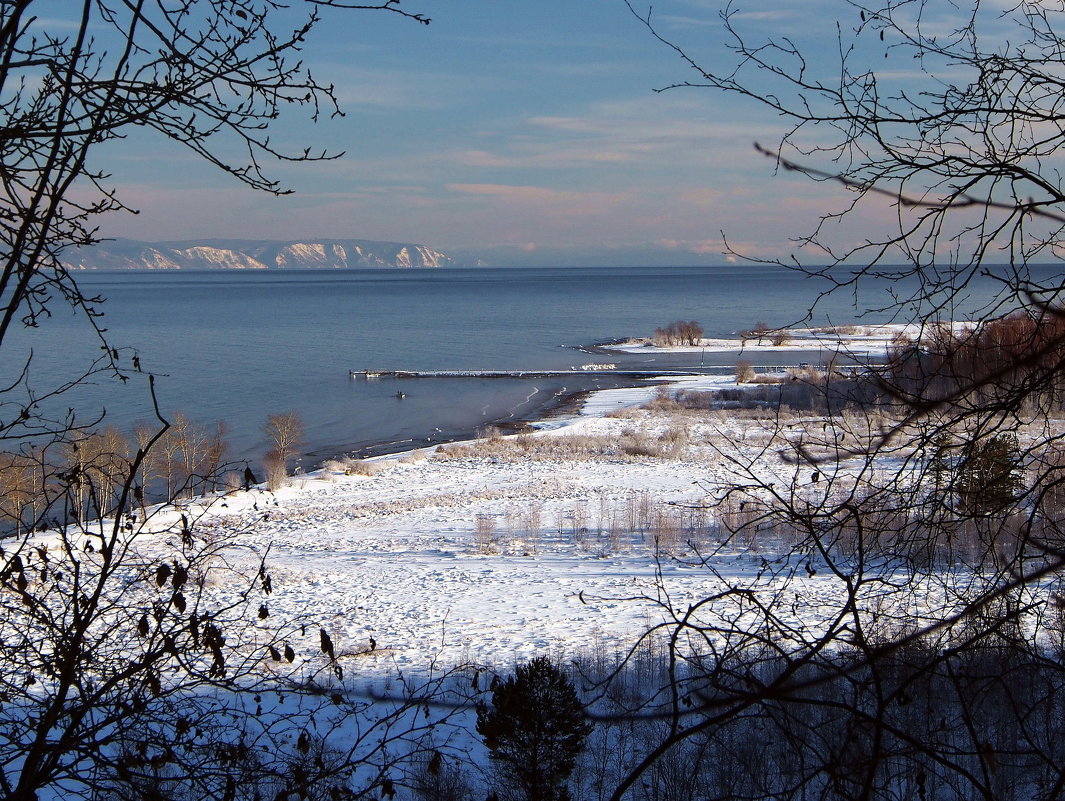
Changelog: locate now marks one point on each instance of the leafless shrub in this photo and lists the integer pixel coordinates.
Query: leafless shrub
(744, 371)
(276, 473)
(674, 437)
(531, 522)
(231, 481)
(1054, 622)
(511, 526)
(696, 399)
(680, 332)
(758, 331)
(843, 330)
(489, 432)
(638, 443)
(665, 528)
(484, 533)
(578, 516)
(616, 531)
(286, 432)
(901, 340)
(638, 511)
(438, 778)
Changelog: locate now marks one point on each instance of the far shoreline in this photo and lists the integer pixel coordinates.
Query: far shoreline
(854, 341)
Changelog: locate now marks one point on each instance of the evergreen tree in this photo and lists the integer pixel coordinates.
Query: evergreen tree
(534, 730)
(989, 477)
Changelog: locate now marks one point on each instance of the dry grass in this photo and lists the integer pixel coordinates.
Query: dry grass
(375, 511)
(600, 524)
(349, 467)
(768, 378)
(668, 443)
(810, 375)
(663, 401)
(524, 446)
(640, 443)
(625, 413)
(362, 467)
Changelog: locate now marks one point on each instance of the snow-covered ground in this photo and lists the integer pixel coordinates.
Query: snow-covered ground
(478, 558)
(852, 340)
(575, 538)
(572, 539)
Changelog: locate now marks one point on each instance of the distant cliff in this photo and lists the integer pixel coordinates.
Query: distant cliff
(233, 254)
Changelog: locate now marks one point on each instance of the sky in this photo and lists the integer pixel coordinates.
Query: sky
(522, 132)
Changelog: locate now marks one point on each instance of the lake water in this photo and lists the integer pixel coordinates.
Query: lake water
(237, 346)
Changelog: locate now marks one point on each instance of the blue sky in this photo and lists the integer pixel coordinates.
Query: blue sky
(525, 130)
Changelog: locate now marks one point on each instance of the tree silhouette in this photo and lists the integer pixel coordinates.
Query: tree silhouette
(989, 479)
(535, 729)
(925, 502)
(123, 673)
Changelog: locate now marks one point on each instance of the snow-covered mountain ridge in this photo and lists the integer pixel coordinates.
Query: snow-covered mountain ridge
(234, 254)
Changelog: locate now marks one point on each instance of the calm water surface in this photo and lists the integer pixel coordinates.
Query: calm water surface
(237, 346)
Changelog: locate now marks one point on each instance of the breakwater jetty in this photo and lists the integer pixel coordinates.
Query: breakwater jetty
(710, 370)
(375, 374)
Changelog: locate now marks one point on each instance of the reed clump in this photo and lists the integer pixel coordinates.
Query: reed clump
(667, 443)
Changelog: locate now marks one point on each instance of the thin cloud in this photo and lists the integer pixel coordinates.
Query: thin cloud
(359, 89)
(775, 15)
(481, 158)
(537, 194)
(675, 21)
(703, 247)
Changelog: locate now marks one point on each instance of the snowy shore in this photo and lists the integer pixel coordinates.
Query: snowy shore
(493, 552)
(855, 341)
(577, 537)
(441, 555)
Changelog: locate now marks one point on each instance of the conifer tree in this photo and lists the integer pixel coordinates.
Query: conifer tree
(534, 730)
(989, 475)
